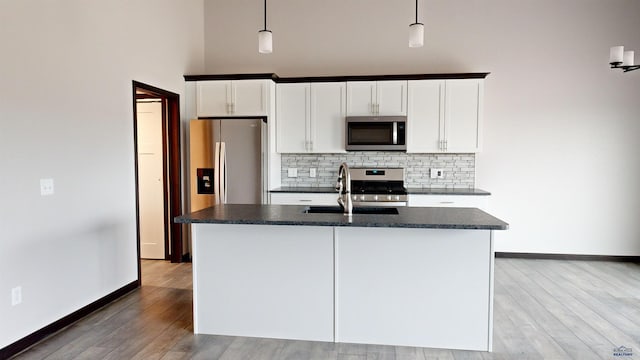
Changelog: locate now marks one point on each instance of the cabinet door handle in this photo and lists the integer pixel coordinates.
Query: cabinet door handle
(377, 108)
(447, 202)
(446, 145)
(305, 200)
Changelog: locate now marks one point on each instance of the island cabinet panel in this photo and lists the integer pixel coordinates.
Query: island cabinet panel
(263, 281)
(414, 287)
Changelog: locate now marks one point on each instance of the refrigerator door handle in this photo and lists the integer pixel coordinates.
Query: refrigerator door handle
(216, 173)
(223, 170)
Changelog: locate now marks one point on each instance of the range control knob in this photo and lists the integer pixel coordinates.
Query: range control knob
(375, 197)
(388, 197)
(397, 197)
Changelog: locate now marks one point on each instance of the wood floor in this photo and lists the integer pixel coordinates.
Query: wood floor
(544, 309)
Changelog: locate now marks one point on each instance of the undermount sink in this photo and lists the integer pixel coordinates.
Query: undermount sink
(369, 210)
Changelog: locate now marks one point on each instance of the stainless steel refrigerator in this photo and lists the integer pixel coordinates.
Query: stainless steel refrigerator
(225, 162)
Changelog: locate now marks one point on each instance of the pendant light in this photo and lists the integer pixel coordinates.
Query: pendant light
(265, 38)
(416, 32)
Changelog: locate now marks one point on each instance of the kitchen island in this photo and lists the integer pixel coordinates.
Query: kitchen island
(423, 277)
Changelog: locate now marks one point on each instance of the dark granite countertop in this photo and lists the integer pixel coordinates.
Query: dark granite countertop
(417, 191)
(408, 217)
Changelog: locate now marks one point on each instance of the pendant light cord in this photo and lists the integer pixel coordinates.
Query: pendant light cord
(265, 14)
(416, 11)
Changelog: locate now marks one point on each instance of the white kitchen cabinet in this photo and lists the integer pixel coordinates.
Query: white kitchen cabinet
(444, 116)
(310, 117)
(376, 98)
(263, 281)
(425, 116)
(328, 109)
(292, 116)
(472, 201)
(414, 287)
(304, 199)
(232, 98)
(463, 115)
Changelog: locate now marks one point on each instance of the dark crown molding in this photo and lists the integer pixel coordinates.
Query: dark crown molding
(276, 78)
(259, 76)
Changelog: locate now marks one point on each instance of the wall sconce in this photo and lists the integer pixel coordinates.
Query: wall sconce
(620, 59)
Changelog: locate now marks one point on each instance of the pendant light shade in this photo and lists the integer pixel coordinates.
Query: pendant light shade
(416, 32)
(265, 41)
(265, 37)
(416, 35)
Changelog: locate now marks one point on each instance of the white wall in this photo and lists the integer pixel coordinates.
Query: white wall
(66, 113)
(560, 135)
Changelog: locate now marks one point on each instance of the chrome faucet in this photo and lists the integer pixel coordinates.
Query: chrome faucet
(343, 187)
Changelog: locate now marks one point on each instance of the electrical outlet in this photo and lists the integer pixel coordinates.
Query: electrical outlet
(16, 295)
(46, 187)
(312, 172)
(436, 173)
(292, 172)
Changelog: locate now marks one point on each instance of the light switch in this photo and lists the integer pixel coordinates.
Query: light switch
(16, 295)
(436, 173)
(46, 187)
(312, 172)
(292, 172)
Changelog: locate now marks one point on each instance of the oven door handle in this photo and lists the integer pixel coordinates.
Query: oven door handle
(395, 133)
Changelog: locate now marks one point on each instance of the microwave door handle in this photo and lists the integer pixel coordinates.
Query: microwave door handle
(395, 133)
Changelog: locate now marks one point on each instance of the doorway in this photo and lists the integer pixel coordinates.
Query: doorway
(156, 124)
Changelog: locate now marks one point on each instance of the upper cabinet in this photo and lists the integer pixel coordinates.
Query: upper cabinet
(232, 98)
(425, 117)
(310, 117)
(293, 117)
(376, 98)
(463, 115)
(444, 116)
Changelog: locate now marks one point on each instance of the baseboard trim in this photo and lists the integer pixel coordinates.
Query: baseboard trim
(618, 258)
(31, 339)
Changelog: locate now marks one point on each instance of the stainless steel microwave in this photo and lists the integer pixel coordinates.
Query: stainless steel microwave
(376, 133)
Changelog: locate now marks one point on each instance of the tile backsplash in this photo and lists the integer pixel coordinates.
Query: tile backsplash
(459, 169)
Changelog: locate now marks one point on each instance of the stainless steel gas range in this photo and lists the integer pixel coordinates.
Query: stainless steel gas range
(378, 187)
